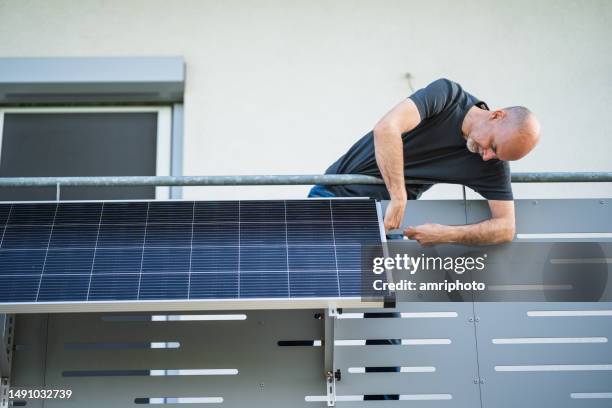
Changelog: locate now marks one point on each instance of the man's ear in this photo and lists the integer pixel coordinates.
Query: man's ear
(497, 114)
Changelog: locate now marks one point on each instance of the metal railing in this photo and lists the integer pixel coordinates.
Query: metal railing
(327, 179)
(271, 180)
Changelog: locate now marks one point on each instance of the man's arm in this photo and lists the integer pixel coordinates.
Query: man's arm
(389, 150)
(496, 230)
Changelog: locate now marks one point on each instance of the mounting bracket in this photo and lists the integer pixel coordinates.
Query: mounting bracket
(7, 334)
(331, 373)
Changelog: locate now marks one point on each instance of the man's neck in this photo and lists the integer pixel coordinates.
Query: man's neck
(473, 115)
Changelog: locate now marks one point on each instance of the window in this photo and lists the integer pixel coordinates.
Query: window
(92, 141)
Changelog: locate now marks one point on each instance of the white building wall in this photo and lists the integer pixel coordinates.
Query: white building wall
(285, 87)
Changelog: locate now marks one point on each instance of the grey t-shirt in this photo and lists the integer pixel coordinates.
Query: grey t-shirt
(434, 151)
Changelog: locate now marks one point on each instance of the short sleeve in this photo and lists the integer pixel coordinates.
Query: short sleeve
(435, 97)
(496, 184)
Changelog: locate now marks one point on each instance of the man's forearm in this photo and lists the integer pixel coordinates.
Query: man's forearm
(492, 231)
(390, 159)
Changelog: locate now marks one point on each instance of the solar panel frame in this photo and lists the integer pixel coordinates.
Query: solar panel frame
(47, 298)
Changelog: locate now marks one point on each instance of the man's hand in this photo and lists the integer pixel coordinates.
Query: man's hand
(427, 234)
(394, 214)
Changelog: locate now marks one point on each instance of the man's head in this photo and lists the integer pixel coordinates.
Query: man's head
(504, 134)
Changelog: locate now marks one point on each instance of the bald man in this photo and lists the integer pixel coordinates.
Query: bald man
(441, 134)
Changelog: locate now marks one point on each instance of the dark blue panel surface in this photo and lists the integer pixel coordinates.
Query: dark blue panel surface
(79, 213)
(356, 211)
(74, 236)
(171, 212)
(63, 288)
(216, 212)
(265, 259)
(116, 251)
(121, 235)
(167, 235)
(350, 283)
(213, 286)
(5, 209)
(19, 288)
(22, 262)
(125, 212)
(214, 259)
(264, 285)
(257, 233)
(320, 233)
(165, 260)
(309, 211)
(117, 261)
(312, 258)
(314, 284)
(114, 287)
(221, 234)
(164, 286)
(37, 214)
(63, 261)
(349, 257)
(356, 233)
(26, 236)
(262, 211)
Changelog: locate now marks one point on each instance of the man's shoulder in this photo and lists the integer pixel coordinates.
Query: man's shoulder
(444, 84)
(441, 95)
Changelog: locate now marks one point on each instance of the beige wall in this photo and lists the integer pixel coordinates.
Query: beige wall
(279, 87)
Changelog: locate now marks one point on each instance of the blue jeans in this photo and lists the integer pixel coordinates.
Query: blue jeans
(320, 191)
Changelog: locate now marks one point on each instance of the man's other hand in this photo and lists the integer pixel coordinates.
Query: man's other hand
(394, 214)
(427, 234)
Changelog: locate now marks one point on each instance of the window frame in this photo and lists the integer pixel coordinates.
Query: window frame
(163, 160)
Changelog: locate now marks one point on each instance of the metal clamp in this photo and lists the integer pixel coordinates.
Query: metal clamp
(330, 386)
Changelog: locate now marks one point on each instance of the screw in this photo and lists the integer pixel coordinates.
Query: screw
(471, 319)
(477, 319)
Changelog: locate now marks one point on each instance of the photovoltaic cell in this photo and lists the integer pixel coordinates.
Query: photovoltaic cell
(114, 287)
(159, 250)
(115, 261)
(4, 213)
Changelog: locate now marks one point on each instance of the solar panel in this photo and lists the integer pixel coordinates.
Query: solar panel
(121, 255)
